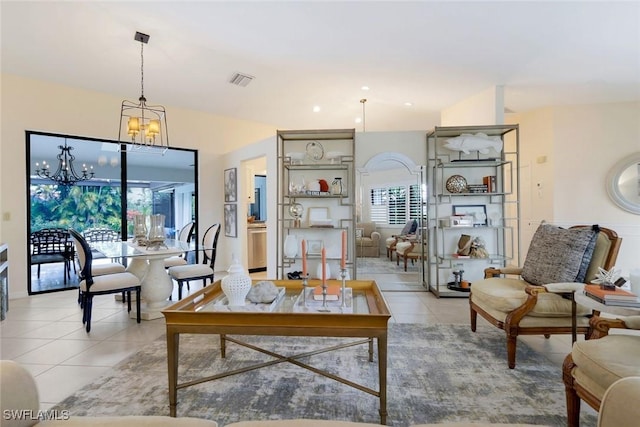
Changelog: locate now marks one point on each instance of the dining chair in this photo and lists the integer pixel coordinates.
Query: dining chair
(91, 285)
(185, 273)
(52, 245)
(101, 268)
(184, 235)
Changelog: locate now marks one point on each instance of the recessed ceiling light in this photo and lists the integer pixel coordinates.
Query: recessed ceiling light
(358, 120)
(316, 108)
(365, 88)
(408, 104)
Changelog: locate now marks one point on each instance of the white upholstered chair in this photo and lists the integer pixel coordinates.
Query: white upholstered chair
(184, 235)
(409, 250)
(91, 285)
(185, 273)
(594, 365)
(408, 230)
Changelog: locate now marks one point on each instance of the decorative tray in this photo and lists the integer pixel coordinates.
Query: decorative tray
(223, 304)
(453, 287)
(310, 305)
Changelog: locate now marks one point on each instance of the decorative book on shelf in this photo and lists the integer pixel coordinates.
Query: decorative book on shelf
(607, 296)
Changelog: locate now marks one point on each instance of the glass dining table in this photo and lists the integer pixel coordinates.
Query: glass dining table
(148, 265)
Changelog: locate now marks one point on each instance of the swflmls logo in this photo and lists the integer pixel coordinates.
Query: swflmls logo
(29, 414)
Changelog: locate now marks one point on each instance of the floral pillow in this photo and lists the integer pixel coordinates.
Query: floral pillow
(559, 255)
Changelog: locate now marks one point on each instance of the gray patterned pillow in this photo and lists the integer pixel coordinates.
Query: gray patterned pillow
(559, 255)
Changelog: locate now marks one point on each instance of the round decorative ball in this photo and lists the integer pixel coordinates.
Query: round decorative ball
(456, 184)
(295, 210)
(236, 285)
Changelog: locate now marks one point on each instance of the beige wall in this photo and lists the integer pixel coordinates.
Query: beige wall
(484, 108)
(39, 106)
(566, 154)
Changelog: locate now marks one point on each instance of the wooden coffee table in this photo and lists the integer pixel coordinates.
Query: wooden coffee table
(205, 312)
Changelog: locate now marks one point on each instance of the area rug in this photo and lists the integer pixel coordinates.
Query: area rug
(384, 266)
(438, 373)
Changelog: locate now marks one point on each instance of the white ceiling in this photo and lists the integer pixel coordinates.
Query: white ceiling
(433, 54)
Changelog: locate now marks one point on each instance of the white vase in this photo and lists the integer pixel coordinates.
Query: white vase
(290, 249)
(236, 285)
(319, 271)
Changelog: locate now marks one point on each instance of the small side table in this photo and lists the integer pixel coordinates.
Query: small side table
(568, 290)
(582, 299)
(585, 301)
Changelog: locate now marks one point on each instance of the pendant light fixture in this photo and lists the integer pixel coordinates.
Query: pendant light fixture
(65, 174)
(363, 101)
(144, 125)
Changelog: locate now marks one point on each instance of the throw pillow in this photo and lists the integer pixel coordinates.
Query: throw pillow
(407, 228)
(559, 255)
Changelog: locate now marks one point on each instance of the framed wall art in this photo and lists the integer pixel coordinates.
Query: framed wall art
(231, 220)
(478, 212)
(230, 185)
(314, 247)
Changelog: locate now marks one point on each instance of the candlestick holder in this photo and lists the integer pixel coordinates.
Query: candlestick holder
(305, 284)
(343, 276)
(324, 293)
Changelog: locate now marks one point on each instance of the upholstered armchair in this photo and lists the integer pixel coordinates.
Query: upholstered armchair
(368, 242)
(409, 250)
(595, 364)
(390, 242)
(516, 299)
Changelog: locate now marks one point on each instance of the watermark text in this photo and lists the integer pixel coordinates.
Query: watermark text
(30, 414)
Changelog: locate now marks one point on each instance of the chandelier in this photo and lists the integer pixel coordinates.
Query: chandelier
(65, 174)
(145, 125)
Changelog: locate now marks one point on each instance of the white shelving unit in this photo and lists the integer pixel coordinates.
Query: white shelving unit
(305, 157)
(497, 219)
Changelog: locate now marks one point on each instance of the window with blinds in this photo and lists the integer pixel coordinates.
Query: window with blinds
(395, 205)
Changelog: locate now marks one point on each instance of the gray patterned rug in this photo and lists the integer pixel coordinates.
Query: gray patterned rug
(440, 373)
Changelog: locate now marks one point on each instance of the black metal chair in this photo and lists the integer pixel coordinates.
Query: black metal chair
(185, 273)
(91, 285)
(52, 245)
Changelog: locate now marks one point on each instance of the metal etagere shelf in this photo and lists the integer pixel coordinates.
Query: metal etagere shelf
(500, 226)
(306, 158)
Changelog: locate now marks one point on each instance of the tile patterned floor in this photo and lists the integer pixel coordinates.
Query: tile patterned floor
(44, 332)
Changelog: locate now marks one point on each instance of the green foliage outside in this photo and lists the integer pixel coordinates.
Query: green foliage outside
(82, 207)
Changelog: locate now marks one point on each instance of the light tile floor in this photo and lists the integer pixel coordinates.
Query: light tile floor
(45, 333)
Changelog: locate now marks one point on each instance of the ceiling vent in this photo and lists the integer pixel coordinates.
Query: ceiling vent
(240, 79)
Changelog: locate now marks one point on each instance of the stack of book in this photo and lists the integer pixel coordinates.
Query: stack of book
(477, 188)
(619, 297)
(490, 182)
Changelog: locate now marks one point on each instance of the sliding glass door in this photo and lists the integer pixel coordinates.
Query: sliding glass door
(118, 185)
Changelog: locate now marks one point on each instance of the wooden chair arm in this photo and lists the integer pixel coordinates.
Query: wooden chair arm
(497, 272)
(535, 290)
(600, 326)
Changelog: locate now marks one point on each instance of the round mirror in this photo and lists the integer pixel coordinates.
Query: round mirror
(623, 183)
